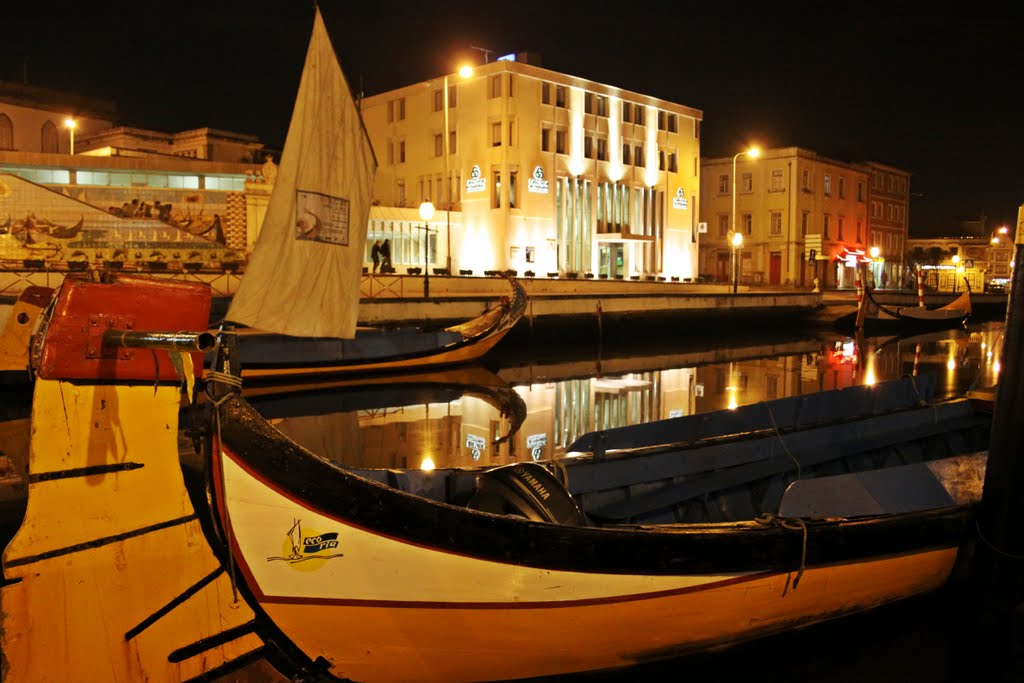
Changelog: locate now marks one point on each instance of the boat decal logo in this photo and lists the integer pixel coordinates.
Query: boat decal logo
(321, 218)
(307, 547)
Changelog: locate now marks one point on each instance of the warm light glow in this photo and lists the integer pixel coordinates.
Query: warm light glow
(875, 251)
(615, 169)
(465, 71)
(869, 377)
(576, 112)
(737, 239)
(995, 367)
(426, 210)
(754, 152)
(428, 463)
(1003, 230)
(733, 405)
(70, 122)
(956, 258)
(951, 364)
(995, 240)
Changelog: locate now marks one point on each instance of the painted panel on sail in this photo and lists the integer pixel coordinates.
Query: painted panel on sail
(321, 218)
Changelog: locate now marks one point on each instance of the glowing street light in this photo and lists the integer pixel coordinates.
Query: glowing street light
(426, 213)
(956, 270)
(753, 152)
(465, 71)
(71, 124)
(737, 242)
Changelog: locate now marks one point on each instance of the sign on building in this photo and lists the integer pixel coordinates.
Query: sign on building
(679, 201)
(476, 182)
(537, 182)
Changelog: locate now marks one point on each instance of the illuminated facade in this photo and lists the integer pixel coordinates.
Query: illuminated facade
(541, 171)
(802, 216)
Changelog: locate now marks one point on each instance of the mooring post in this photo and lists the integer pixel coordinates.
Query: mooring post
(996, 569)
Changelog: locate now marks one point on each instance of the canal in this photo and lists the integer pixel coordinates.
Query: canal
(530, 401)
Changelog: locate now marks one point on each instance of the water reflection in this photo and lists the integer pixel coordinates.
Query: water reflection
(532, 411)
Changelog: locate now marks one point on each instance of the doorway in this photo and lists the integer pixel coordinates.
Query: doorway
(611, 260)
(775, 268)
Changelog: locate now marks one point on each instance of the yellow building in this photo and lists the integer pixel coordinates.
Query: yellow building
(802, 216)
(541, 172)
(984, 262)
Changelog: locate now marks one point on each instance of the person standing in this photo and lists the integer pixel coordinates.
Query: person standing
(375, 255)
(385, 255)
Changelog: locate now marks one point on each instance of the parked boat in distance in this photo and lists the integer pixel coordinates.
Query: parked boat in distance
(300, 292)
(875, 316)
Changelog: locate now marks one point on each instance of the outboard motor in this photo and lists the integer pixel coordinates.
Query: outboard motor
(528, 490)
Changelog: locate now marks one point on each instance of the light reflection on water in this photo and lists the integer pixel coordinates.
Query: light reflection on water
(565, 399)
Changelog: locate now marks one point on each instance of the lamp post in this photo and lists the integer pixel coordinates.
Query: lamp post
(956, 270)
(70, 124)
(426, 213)
(737, 242)
(464, 72)
(753, 152)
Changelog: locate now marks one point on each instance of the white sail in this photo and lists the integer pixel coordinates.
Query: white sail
(303, 277)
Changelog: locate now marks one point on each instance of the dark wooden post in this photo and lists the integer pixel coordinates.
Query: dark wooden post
(1000, 543)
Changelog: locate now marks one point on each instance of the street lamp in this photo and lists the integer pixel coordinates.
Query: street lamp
(70, 124)
(956, 270)
(737, 242)
(753, 152)
(464, 72)
(426, 213)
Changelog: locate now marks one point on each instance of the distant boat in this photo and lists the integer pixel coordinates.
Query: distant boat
(871, 314)
(300, 292)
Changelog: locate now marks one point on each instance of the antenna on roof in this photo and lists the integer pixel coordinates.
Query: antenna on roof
(487, 53)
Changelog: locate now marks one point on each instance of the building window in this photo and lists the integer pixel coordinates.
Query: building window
(560, 96)
(842, 187)
(627, 112)
(747, 223)
(723, 225)
(602, 106)
(840, 223)
(588, 146)
(496, 194)
(860, 191)
(495, 86)
(747, 182)
(6, 132)
(626, 150)
(439, 145)
(545, 139)
(638, 155)
(545, 93)
(860, 230)
(661, 160)
(661, 120)
(439, 100)
(512, 132)
(401, 151)
(602, 149)
(775, 226)
(723, 183)
(400, 192)
(453, 96)
(824, 226)
(588, 103)
(696, 129)
(673, 166)
(638, 115)
(512, 189)
(805, 223)
(828, 185)
(496, 134)
(452, 142)
(560, 142)
(396, 110)
(49, 138)
(805, 180)
(778, 181)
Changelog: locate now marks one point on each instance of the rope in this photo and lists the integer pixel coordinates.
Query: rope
(778, 433)
(769, 519)
(992, 547)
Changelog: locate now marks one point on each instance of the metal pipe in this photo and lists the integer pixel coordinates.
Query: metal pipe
(189, 342)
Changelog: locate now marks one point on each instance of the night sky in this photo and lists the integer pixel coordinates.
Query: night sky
(928, 87)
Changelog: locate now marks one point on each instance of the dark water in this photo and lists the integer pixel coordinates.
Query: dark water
(566, 391)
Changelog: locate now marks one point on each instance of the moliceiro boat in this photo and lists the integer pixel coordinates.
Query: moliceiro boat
(873, 315)
(328, 574)
(298, 301)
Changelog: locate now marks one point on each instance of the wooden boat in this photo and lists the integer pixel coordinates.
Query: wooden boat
(871, 314)
(356, 579)
(300, 288)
